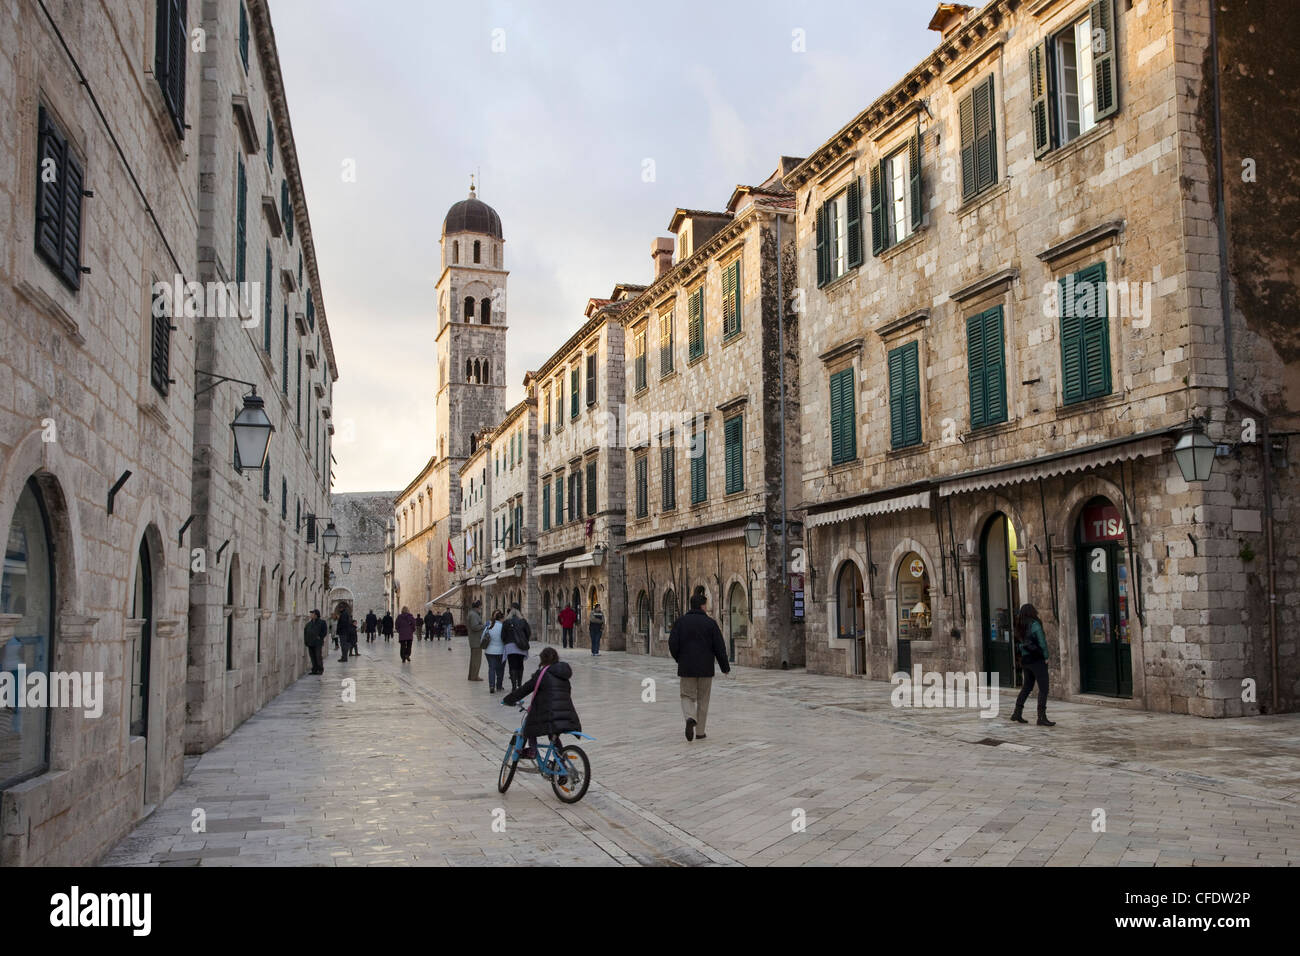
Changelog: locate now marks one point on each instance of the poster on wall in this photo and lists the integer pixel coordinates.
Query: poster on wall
(1099, 629)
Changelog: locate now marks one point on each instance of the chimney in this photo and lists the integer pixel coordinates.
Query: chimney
(661, 251)
(949, 17)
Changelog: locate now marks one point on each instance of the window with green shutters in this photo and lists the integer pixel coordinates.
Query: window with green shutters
(642, 493)
(266, 311)
(573, 501)
(986, 367)
(298, 393)
(896, 196)
(639, 370)
(286, 209)
(665, 343)
(243, 36)
(270, 144)
(1073, 81)
(160, 353)
(695, 322)
(839, 234)
(668, 477)
(58, 202)
(559, 500)
(284, 352)
(577, 496)
(241, 226)
(591, 379)
(171, 41)
(1085, 335)
(699, 468)
(591, 487)
(904, 396)
(844, 429)
(575, 391)
(731, 300)
(546, 506)
(734, 460)
(979, 149)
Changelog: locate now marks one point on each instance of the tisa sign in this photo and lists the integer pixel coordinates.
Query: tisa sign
(1102, 523)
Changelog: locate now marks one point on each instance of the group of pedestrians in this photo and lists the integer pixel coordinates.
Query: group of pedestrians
(568, 620)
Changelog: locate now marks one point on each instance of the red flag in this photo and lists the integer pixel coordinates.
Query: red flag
(451, 558)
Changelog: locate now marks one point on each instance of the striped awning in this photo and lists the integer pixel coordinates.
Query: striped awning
(884, 506)
(713, 537)
(542, 570)
(580, 561)
(1149, 447)
(659, 545)
(442, 598)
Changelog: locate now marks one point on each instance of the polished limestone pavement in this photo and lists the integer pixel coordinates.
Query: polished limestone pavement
(797, 769)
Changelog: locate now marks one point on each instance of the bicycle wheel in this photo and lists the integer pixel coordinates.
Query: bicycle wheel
(571, 785)
(508, 764)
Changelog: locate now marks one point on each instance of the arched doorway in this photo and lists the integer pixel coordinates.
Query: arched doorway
(737, 618)
(671, 611)
(999, 586)
(643, 617)
(577, 607)
(1105, 657)
(546, 614)
(850, 613)
(27, 589)
(913, 594)
(141, 611)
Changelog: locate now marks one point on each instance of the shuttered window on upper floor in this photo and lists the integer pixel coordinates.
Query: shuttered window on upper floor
(731, 299)
(905, 396)
(60, 181)
(1085, 335)
(844, 440)
(896, 196)
(986, 368)
(734, 453)
(171, 40)
(642, 490)
(979, 150)
(695, 322)
(1073, 79)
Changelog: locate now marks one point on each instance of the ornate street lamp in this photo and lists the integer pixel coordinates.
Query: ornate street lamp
(346, 563)
(598, 556)
(753, 533)
(330, 539)
(251, 427)
(1194, 452)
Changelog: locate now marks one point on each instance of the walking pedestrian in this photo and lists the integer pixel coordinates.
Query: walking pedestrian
(386, 626)
(406, 627)
(494, 649)
(474, 622)
(371, 623)
(1031, 642)
(346, 629)
(568, 618)
(551, 711)
(695, 643)
(516, 635)
(596, 627)
(313, 636)
(419, 626)
(430, 624)
(448, 625)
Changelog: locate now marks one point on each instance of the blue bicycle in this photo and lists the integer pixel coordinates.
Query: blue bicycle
(566, 766)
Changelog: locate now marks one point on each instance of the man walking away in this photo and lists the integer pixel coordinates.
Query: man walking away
(347, 632)
(517, 635)
(406, 625)
(596, 625)
(313, 636)
(568, 617)
(448, 625)
(695, 643)
(474, 620)
(430, 626)
(371, 623)
(386, 626)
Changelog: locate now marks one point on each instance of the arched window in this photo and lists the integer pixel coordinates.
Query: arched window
(469, 307)
(473, 447)
(28, 590)
(229, 612)
(487, 372)
(477, 251)
(643, 613)
(485, 311)
(671, 612)
(737, 617)
(478, 372)
(469, 370)
(141, 610)
(850, 612)
(455, 251)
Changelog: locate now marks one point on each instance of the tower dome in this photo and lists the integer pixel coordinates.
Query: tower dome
(472, 215)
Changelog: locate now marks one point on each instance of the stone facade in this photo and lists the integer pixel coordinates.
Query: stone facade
(361, 520)
(108, 460)
(950, 513)
(685, 396)
(580, 438)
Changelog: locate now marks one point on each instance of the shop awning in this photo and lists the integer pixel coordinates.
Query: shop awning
(542, 570)
(884, 506)
(580, 561)
(442, 598)
(659, 545)
(490, 578)
(714, 536)
(1083, 461)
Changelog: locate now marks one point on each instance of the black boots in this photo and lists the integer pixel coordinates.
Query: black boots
(1016, 716)
(1043, 721)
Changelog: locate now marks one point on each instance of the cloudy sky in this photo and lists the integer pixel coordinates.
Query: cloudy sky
(557, 107)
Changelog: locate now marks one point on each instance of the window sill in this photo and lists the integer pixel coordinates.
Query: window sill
(831, 284)
(1061, 153)
(697, 359)
(640, 390)
(995, 428)
(917, 449)
(898, 248)
(1089, 405)
(732, 494)
(665, 375)
(733, 337)
(837, 466)
(989, 194)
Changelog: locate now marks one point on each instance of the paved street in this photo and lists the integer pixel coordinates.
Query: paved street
(406, 775)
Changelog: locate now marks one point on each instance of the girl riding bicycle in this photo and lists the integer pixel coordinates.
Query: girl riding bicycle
(551, 712)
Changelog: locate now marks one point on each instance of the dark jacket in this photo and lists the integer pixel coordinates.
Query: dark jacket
(552, 710)
(696, 641)
(314, 633)
(516, 625)
(347, 628)
(387, 625)
(428, 622)
(405, 626)
(371, 622)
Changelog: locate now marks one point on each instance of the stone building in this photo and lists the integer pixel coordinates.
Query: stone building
(260, 529)
(1014, 312)
(581, 472)
(361, 520)
(471, 301)
(709, 456)
(112, 471)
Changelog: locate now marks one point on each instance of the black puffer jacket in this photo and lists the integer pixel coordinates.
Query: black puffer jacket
(695, 643)
(552, 710)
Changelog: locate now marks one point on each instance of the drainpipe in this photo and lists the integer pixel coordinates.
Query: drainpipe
(780, 345)
(1225, 305)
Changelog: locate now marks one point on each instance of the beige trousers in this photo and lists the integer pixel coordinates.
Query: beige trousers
(695, 700)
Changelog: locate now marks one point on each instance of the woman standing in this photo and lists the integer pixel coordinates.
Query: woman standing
(405, 632)
(516, 635)
(1032, 644)
(494, 650)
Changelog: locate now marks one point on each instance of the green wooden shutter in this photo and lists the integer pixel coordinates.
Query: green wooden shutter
(546, 506)
(1072, 352)
(266, 308)
(700, 469)
(243, 36)
(855, 223)
(270, 143)
(731, 299)
(160, 353)
(696, 322)
(986, 157)
(575, 392)
(49, 195)
(668, 476)
(641, 487)
(1040, 106)
(266, 478)
(914, 170)
(975, 370)
(591, 384)
(591, 487)
(284, 353)
(241, 212)
(578, 497)
(734, 459)
(904, 396)
(73, 181)
(1096, 334)
(995, 375)
(878, 230)
(823, 252)
(1104, 69)
(966, 120)
(843, 421)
